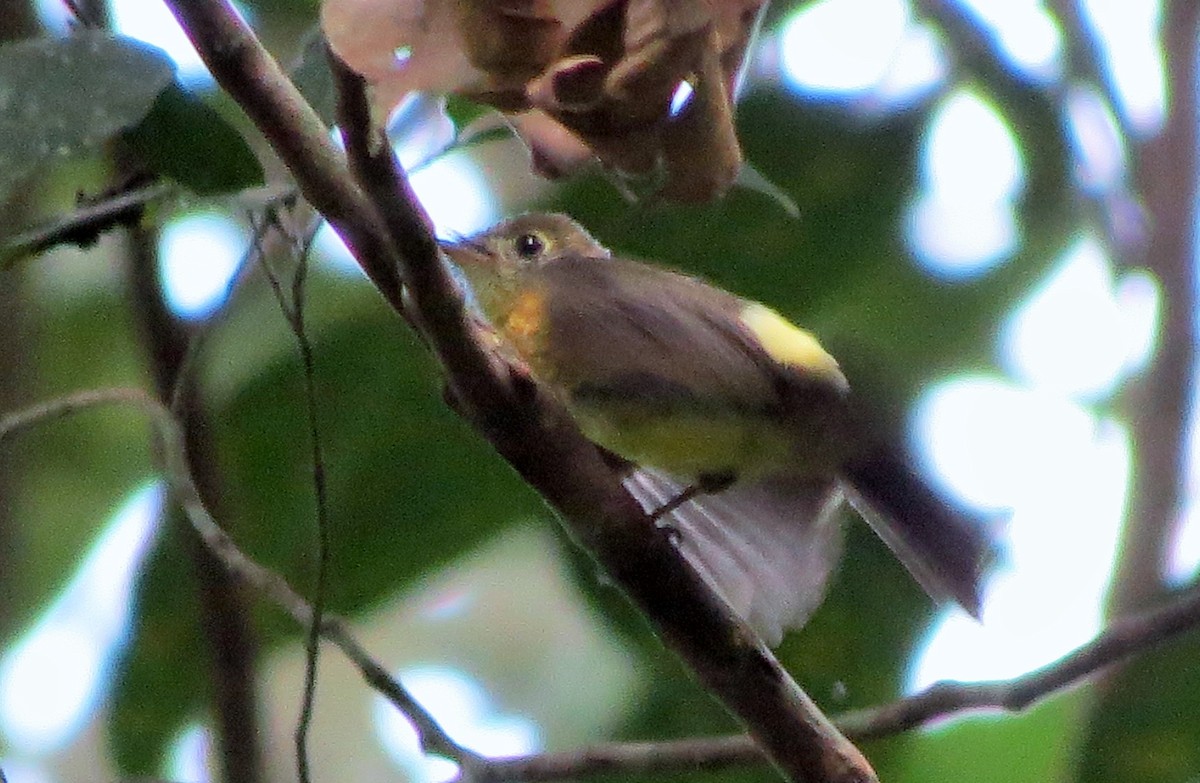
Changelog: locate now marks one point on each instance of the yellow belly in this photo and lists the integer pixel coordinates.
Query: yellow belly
(689, 445)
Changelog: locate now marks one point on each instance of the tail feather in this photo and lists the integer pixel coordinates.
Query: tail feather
(767, 547)
(946, 551)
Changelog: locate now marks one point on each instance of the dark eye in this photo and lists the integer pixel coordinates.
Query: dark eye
(530, 245)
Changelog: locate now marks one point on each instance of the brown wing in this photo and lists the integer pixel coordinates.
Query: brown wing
(627, 328)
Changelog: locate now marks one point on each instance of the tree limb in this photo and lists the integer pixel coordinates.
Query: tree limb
(85, 225)
(1159, 402)
(230, 645)
(531, 431)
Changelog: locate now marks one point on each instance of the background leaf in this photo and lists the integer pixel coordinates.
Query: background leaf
(185, 139)
(1143, 725)
(63, 96)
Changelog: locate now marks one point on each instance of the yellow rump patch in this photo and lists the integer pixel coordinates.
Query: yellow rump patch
(788, 344)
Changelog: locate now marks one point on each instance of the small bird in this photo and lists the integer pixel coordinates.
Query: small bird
(738, 428)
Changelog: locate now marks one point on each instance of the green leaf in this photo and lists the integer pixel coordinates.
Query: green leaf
(187, 140)
(60, 97)
(464, 112)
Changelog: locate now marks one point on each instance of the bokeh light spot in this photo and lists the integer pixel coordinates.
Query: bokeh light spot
(1073, 335)
(962, 221)
(1025, 34)
(841, 46)
(53, 677)
(1129, 35)
(199, 255)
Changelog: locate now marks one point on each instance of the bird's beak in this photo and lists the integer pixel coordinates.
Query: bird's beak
(468, 254)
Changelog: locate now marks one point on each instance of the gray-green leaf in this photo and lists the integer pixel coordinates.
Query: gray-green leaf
(63, 96)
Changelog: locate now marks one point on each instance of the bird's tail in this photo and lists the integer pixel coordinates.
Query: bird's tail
(946, 551)
(766, 546)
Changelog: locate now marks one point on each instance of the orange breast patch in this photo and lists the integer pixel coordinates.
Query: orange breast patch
(523, 325)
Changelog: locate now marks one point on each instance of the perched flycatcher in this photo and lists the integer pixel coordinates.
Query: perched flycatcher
(740, 428)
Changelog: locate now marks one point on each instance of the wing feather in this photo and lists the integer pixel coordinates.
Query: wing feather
(766, 547)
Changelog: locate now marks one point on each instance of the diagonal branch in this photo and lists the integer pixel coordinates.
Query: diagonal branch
(85, 225)
(529, 429)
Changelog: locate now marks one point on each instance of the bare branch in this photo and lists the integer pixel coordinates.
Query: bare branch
(1159, 402)
(700, 754)
(263, 580)
(1120, 642)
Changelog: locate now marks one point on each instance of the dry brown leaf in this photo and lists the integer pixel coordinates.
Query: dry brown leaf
(581, 80)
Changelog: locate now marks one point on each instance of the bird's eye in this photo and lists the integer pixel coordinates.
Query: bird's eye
(530, 245)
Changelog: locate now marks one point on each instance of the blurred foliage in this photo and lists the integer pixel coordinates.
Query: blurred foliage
(73, 94)
(1034, 746)
(412, 489)
(74, 472)
(1145, 720)
(185, 140)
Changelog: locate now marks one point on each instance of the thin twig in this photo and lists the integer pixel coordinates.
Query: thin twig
(261, 579)
(293, 312)
(83, 226)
